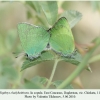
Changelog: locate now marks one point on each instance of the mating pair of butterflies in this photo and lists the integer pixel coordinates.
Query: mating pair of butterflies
(35, 39)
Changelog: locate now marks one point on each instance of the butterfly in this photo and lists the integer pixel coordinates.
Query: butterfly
(35, 39)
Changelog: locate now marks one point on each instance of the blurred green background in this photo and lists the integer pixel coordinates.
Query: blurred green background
(88, 28)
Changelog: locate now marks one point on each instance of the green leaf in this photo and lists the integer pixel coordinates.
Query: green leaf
(31, 85)
(34, 5)
(72, 16)
(75, 59)
(3, 82)
(58, 82)
(29, 14)
(50, 10)
(2, 45)
(10, 39)
(35, 83)
(96, 5)
(10, 72)
(48, 55)
(40, 80)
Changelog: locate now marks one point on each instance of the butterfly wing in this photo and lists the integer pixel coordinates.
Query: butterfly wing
(33, 39)
(61, 39)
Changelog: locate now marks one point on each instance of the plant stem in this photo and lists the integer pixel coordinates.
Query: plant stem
(81, 66)
(94, 58)
(53, 72)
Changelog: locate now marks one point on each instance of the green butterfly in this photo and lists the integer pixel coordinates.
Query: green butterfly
(35, 39)
(61, 39)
